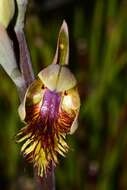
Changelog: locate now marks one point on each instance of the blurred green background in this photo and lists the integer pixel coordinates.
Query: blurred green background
(98, 57)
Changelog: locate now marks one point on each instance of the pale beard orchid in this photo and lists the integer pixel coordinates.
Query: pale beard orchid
(50, 110)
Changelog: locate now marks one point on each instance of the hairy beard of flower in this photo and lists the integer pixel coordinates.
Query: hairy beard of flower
(47, 123)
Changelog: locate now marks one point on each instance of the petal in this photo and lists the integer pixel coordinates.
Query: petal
(74, 124)
(7, 9)
(34, 95)
(7, 58)
(71, 101)
(62, 51)
(66, 80)
(49, 76)
(58, 78)
(21, 110)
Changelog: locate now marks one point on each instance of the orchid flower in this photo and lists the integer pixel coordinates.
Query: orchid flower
(50, 110)
(51, 102)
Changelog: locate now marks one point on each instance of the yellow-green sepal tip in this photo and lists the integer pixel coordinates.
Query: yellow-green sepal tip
(7, 10)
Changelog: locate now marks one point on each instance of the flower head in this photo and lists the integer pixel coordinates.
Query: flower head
(50, 110)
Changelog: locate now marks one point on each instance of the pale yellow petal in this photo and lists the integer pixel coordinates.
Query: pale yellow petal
(49, 76)
(62, 50)
(7, 9)
(66, 80)
(74, 124)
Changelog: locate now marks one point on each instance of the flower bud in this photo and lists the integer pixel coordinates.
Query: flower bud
(7, 9)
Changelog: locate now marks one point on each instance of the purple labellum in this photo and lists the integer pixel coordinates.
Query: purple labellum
(45, 133)
(50, 106)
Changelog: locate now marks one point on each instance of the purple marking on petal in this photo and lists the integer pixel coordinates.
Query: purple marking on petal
(50, 106)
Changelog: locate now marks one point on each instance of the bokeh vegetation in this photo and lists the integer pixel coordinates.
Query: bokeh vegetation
(98, 57)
